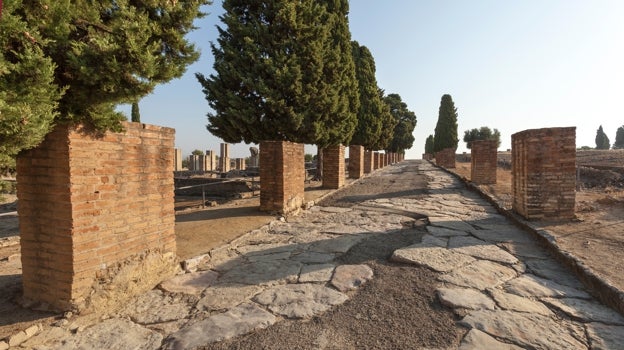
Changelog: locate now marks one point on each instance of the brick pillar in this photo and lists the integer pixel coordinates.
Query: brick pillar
(385, 159)
(177, 159)
(483, 158)
(333, 166)
(282, 176)
(96, 215)
(224, 159)
(544, 173)
(211, 160)
(446, 158)
(369, 162)
(356, 161)
(375, 160)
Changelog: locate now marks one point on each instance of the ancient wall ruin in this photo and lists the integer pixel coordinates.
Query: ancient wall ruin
(446, 158)
(282, 176)
(356, 161)
(544, 173)
(96, 215)
(224, 157)
(376, 160)
(333, 166)
(483, 158)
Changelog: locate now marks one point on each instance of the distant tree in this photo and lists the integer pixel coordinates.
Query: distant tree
(185, 163)
(483, 133)
(402, 137)
(368, 129)
(308, 157)
(584, 148)
(284, 71)
(445, 135)
(197, 152)
(136, 115)
(73, 62)
(429, 145)
(619, 138)
(602, 141)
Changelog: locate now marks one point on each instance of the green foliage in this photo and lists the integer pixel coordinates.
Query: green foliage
(284, 71)
(388, 122)
(445, 135)
(602, 141)
(429, 145)
(74, 61)
(135, 114)
(308, 157)
(197, 152)
(369, 125)
(619, 138)
(483, 133)
(28, 96)
(402, 137)
(584, 148)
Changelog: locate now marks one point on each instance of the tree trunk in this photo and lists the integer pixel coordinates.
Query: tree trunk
(319, 164)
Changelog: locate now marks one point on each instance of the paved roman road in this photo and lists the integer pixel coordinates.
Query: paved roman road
(505, 290)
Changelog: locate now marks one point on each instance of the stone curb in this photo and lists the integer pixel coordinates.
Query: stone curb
(599, 287)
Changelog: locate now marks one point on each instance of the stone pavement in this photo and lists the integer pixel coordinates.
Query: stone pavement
(507, 290)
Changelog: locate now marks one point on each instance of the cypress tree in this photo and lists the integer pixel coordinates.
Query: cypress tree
(284, 71)
(28, 96)
(368, 129)
(388, 122)
(602, 141)
(429, 145)
(445, 135)
(135, 114)
(619, 138)
(100, 54)
(402, 137)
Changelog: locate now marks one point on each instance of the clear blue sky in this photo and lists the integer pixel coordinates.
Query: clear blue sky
(511, 65)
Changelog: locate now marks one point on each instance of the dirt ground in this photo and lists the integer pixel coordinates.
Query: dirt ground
(395, 310)
(596, 235)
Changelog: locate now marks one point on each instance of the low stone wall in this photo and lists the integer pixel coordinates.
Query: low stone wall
(92, 206)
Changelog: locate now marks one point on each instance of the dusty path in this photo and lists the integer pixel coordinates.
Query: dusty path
(365, 270)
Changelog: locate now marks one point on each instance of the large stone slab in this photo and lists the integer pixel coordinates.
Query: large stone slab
(480, 249)
(190, 283)
(316, 273)
(464, 298)
(526, 330)
(445, 232)
(300, 300)
(350, 277)
(156, 307)
(226, 296)
(237, 321)
(529, 285)
(114, 334)
(477, 340)
(450, 223)
(340, 244)
(586, 310)
(512, 302)
(553, 270)
(436, 258)
(526, 250)
(505, 233)
(481, 274)
(605, 337)
(265, 273)
(310, 257)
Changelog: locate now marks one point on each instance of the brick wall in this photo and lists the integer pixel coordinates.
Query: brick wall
(369, 162)
(544, 173)
(211, 160)
(333, 166)
(282, 175)
(376, 159)
(96, 215)
(356, 161)
(446, 158)
(177, 159)
(483, 157)
(427, 156)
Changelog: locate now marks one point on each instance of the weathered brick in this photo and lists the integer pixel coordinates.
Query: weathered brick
(282, 175)
(446, 158)
(483, 158)
(333, 167)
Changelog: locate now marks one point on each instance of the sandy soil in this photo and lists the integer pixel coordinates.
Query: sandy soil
(596, 236)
